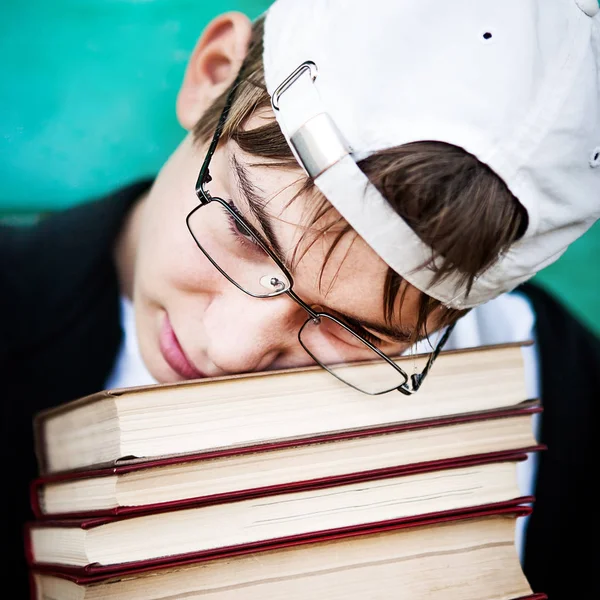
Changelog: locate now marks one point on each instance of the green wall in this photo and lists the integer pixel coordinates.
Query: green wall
(87, 96)
(87, 92)
(575, 277)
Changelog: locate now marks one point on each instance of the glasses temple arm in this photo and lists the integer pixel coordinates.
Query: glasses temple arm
(417, 378)
(204, 175)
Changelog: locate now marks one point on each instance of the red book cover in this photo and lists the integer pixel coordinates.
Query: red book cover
(42, 417)
(133, 466)
(97, 574)
(93, 522)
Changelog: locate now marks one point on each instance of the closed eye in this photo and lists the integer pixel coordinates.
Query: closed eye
(401, 338)
(357, 328)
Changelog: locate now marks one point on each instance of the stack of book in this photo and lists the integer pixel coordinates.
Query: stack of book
(288, 484)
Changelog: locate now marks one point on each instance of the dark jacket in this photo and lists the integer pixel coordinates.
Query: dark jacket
(60, 334)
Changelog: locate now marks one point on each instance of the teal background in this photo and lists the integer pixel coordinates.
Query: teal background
(87, 92)
(87, 103)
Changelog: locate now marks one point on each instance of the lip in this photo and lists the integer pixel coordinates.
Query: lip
(173, 352)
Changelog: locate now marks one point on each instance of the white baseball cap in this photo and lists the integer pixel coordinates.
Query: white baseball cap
(514, 82)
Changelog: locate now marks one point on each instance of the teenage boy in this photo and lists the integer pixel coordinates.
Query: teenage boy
(356, 176)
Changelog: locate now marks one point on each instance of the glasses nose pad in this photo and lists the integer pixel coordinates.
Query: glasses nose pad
(273, 284)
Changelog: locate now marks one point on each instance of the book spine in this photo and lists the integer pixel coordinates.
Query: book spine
(517, 507)
(296, 486)
(33, 592)
(35, 489)
(123, 466)
(27, 543)
(100, 578)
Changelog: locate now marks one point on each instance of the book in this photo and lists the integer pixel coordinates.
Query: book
(449, 558)
(161, 483)
(110, 543)
(288, 484)
(265, 408)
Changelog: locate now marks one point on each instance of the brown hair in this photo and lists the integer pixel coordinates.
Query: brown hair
(453, 202)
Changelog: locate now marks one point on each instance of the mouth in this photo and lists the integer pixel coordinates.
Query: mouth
(173, 353)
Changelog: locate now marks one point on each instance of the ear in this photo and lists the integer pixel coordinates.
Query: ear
(213, 66)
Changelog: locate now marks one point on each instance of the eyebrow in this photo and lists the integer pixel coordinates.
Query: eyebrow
(399, 334)
(256, 204)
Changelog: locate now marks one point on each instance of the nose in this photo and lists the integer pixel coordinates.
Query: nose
(247, 334)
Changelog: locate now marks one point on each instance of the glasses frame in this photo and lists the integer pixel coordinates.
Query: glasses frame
(204, 196)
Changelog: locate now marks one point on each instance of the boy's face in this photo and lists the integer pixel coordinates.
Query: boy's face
(191, 321)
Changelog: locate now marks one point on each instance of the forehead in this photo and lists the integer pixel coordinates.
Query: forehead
(332, 265)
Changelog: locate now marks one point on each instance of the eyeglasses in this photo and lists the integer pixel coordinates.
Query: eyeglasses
(239, 252)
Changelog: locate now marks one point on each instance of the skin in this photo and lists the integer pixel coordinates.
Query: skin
(174, 287)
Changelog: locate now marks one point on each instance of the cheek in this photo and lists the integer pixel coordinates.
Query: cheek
(169, 263)
(172, 277)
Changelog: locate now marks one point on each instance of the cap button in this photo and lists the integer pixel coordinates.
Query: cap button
(590, 7)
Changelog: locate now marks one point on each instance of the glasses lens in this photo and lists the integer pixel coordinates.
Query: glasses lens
(348, 357)
(235, 250)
